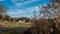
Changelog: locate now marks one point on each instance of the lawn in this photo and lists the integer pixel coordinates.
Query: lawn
(13, 24)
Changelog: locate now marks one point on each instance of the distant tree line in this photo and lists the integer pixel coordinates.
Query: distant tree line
(9, 19)
(20, 19)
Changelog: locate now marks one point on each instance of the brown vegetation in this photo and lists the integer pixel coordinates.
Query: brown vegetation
(46, 26)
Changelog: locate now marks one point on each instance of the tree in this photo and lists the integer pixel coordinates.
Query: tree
(2, 10)
(7, 18)
(1, 17)
(44, 25)
(25, 18)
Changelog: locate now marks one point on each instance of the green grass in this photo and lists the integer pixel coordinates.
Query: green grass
(13, 25)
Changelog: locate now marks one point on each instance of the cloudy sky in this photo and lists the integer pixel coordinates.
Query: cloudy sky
(25, 8)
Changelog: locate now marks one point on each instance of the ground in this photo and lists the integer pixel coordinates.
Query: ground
(11, 27)
(13, 24)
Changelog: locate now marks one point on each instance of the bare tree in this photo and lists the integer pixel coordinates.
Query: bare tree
(1, 17)
(47, 25)
(2, 10)
(7, 18)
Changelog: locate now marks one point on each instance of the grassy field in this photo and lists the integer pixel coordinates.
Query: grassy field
(13, 25)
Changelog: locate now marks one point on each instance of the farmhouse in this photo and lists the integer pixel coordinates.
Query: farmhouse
(21, 21)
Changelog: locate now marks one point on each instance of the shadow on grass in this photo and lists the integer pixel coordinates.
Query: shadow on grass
(23, 31)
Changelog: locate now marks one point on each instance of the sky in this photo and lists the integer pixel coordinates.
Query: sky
(23, 8)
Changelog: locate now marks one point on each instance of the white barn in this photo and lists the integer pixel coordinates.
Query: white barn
(21, 21)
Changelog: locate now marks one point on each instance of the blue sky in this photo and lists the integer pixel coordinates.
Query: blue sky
(25, 8)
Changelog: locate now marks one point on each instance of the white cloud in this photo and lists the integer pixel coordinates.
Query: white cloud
(23, 12)
(17, 12)
(28, 15)
(33, 9)
(22, 2)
